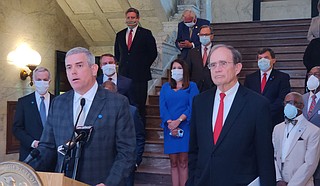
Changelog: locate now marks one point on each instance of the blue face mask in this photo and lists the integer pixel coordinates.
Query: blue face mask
(290, 111)
(204, 40)
(264, 64)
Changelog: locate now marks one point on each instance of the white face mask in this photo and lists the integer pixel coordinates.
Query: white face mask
(41, 86)
(313, 82)
(264, 64)
(109, 69)
(290, 111)
(190, 24)
(177, 74)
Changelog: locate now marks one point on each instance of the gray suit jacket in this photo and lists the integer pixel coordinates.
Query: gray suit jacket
(303, 154)
(315, 116)
(109, 155)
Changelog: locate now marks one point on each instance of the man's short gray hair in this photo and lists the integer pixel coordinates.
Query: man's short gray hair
(236, 55)
(40, 69)
(81, 50)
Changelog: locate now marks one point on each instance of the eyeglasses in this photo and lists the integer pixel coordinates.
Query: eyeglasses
(223, 64)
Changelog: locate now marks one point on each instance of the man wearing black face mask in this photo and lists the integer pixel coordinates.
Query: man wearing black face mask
(312, 106)
(296, 145)
(135, 49)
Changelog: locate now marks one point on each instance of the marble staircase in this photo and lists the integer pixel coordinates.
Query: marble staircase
(287, 38)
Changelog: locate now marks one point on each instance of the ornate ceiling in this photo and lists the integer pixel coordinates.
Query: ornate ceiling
(98, 21)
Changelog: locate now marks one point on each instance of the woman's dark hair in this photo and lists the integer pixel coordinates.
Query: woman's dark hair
(186, 81)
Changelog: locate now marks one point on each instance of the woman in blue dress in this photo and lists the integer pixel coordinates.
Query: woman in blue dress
(175, 112)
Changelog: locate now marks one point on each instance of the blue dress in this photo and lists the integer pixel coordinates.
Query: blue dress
(172, 105)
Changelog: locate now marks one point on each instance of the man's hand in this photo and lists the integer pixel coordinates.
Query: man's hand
(101, 184)
(36, 143)
(282, 183)
(185, 44)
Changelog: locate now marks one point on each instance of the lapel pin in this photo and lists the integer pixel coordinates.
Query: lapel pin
(32, 102)
(99, 116)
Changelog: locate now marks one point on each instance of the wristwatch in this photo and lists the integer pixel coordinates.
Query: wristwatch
(180, 119)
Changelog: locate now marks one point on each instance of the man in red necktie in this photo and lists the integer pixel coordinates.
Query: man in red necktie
(135, 49)
(269, 82)
(230, 130)
(197, 59)
(312, 106)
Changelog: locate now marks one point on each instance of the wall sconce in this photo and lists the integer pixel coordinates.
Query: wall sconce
(24, 56)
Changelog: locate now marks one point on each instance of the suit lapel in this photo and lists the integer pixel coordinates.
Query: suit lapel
(208, 103)
(136, 38)
(123, 41)
(281, 136)
(34, 108)
(238, 104)
(270, 81)
(256, 84)
(97, 104)
(296, 137)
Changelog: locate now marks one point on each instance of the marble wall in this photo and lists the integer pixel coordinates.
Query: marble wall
(45, 27)
(241, 10)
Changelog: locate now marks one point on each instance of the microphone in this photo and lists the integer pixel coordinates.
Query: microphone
(66, 148)
(33, 155)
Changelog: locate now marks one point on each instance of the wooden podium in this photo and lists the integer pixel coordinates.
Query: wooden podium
(58, 179)
(18, 173)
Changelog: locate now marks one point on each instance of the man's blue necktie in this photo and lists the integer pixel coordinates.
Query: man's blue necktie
(43, 111)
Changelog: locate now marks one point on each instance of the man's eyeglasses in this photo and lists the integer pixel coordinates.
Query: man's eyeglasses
(223, 64)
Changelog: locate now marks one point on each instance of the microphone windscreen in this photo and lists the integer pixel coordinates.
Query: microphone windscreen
(35, 153)
(82, 102)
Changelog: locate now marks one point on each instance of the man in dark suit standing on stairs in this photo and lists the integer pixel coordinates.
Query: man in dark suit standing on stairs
(135, 49)
(197, 60)
(31, 113)
(269, 82)
(230, 130)
(188, 30)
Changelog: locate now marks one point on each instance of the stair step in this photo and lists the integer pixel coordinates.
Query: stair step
(154, 99)
(280, 56)
(154, 134)
(153, 121)
(152, 110)
(155, 148)
(276, 49)
(255, 24)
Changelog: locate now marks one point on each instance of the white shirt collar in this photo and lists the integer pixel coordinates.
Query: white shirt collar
(114, 78)
(89, 95)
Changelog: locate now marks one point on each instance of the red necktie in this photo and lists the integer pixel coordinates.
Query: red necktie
(263, 82)
(130, 39)
(205, 56)
(219, 121)
(313, 104)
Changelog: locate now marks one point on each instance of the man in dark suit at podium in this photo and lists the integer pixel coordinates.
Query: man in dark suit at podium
(188, 31)
(135, 49)
(124, 84)
(30, 117)
(269, 82)
(109, 155)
